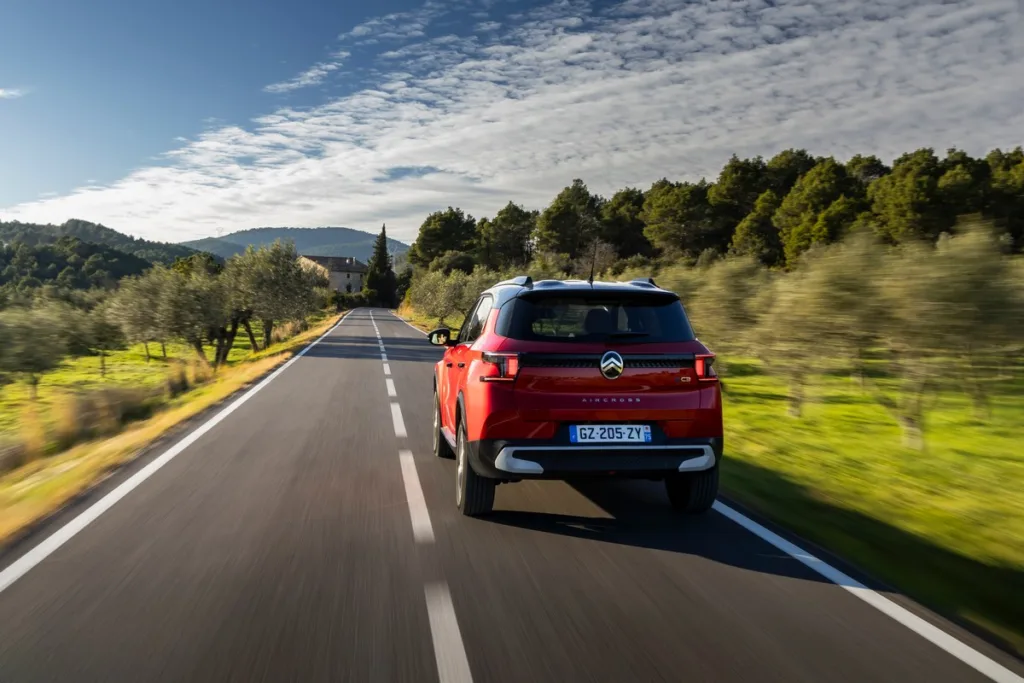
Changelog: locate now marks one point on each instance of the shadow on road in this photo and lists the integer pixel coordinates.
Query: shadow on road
(960, 587)
(398, 349)
(643, 518)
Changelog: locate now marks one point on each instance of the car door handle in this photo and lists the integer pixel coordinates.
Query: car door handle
(462, 365)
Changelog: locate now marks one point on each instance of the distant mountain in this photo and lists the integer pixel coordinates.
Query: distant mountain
(36, 234)
(309, 241)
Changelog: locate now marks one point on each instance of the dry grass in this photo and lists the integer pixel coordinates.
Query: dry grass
(288, 330)
(36, 489)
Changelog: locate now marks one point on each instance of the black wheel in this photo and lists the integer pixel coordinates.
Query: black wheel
(693, 492)
(473, 494)
(441, 447)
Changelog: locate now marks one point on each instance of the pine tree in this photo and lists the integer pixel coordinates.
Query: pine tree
(380, 284)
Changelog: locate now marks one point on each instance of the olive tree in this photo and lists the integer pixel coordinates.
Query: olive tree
(33, 344)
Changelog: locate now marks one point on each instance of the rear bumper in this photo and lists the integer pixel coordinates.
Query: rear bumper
(532, 459)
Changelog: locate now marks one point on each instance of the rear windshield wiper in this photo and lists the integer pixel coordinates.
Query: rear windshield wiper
(628, 335)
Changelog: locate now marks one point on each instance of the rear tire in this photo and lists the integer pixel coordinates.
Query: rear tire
(473, 494)
(441, 447)
(693, 493)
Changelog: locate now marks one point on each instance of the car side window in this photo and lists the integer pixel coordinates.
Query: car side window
(475, 324)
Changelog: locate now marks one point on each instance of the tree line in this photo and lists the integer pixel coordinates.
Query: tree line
(908, 276)
(771, 210)
(197, 301)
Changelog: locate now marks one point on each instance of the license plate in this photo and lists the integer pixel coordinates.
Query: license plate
(610, 433)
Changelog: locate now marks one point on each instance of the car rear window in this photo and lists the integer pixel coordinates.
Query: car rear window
(598, 318)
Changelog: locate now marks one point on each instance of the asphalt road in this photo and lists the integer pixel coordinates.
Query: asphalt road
(291, 542)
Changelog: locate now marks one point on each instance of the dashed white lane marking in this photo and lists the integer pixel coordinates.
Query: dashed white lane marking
(396, 417)
(391, 387)
(387, 369)
(421, 529)
(450, 653)
(384, 357)
(47, 547)
(932, 634)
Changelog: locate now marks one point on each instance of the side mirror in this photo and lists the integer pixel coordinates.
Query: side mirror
(442, 336)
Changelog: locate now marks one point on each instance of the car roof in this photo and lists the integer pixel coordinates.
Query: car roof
(510, 289)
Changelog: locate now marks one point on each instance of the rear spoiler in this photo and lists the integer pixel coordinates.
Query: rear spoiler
(652, 295)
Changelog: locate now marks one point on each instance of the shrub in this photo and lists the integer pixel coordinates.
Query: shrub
(33, 434)
(288, 330)
(177, 379)
(12, 455)
(78, 417)
(199, 373)
(71, 420)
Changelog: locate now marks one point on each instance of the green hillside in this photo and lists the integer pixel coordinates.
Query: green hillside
(311, 241)
(94, 233)
(68, 262)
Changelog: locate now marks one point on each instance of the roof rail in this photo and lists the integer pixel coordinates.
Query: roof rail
(522, 281)
(643, 282)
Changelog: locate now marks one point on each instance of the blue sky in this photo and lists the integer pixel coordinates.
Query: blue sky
(175, 120)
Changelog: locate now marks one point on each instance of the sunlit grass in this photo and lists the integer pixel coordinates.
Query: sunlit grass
(125, 368)
(945, 524)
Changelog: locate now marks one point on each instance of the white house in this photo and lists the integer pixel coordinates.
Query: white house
(344, 272)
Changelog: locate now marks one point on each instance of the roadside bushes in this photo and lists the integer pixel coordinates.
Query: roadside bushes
(343, 301)
(289, 330)
(78, 417)
(75, 417)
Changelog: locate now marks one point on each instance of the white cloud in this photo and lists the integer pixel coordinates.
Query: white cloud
(622, 96)
(314, 75)
(11, 93)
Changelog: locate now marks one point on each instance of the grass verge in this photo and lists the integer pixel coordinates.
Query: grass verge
(36, 490)
(945, 526)
(424, 322)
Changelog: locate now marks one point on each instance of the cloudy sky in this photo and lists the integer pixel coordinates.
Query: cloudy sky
(174, 121)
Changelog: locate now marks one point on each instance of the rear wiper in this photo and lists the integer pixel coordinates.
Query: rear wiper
(627, 335)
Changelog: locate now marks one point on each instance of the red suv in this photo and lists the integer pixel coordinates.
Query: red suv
(567, 379)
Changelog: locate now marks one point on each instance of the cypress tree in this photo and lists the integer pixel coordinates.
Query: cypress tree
(380, 284)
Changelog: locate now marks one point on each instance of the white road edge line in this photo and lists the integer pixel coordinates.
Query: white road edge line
(51, 543)
(391, 387)
(422, 531)
(396, 417)
(409, 324)
(932, 634)
(450, 653)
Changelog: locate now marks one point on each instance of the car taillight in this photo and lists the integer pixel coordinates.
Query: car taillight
(703, 365)
(500, 367)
